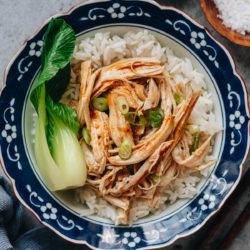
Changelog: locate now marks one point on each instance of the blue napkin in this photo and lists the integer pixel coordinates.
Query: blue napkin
(44, 239)
(11, 214)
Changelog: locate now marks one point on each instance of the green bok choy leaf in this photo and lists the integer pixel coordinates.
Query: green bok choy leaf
(58, 47)
(58, 152)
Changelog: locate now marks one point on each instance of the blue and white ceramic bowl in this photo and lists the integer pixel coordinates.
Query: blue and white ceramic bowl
(187, 38)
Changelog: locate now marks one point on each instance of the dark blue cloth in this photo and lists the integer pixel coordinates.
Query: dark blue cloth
(11, 214)
(43, 238)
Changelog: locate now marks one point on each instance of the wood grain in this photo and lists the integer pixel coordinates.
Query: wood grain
(229, 204)
(211, 13)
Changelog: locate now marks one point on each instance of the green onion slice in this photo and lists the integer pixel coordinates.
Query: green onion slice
(125, 150)
(128, 119)
(155, 116)
(86, 136)
(193, 129)
(178, 97)
(143, 120)
(195, 143)
(160, 111)
(100, 104)
(130, 169)
(156, 124)
(192, 147)
(197, 139)
(122, 104)
(155, 177)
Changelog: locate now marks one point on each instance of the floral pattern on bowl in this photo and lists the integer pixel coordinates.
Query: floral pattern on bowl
(176, 25)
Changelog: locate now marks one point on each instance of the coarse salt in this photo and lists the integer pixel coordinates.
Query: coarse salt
(235, 14)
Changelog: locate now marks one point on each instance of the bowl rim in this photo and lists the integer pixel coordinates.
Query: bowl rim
(222, 32)
(232, 61)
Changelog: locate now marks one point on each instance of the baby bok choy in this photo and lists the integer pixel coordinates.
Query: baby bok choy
(58, 152)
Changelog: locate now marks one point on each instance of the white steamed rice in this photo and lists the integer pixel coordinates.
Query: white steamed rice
(104, 49)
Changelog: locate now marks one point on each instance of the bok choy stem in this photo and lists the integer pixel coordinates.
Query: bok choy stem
(50, 172)
(57, 126)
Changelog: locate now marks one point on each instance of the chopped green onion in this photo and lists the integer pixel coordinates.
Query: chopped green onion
(192, 147)
(130, 169)
(100, 104)
(143, 120)
(155, 116)
(193, 129)
(128, 119)
(197, 139)
(155, 177)
(156, 124)
(178, 97)
(195, 143)
(86, 136)
(122, 104)
(125, 150)
(160, 110)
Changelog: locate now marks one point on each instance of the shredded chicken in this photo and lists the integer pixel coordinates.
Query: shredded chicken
(87, 83)
(123, 216)
(180, 87)
(73, 104)
(99, 136)
(85, 74)
(139, 90)
(153, 96)
(121, 202)
(130, 95)
(145, 149)
(160, 151)
(94, 168)
(144, 170)
(120, 129)
(181, 153)
(121, 72)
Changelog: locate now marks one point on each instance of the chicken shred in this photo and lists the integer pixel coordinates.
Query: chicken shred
(99, 135)
(120, 129)
(130, 95)
(87, 83)
(153, 97)
(161, 151)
